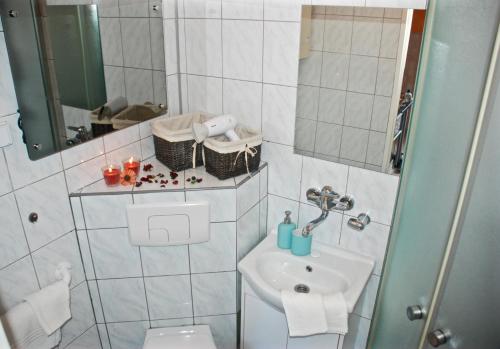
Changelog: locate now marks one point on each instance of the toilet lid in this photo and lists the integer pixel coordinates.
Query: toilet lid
(184, 337)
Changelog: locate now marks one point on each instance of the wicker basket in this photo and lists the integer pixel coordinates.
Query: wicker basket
(174, 144)
(100, 127)
(225, 159)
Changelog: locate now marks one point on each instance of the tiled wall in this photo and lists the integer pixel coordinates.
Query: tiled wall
(346, 84)
(29, 252)
(241, 57)
(135, 288)
(133, 51)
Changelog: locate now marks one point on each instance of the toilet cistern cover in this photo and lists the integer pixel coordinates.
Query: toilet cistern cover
(183, 337)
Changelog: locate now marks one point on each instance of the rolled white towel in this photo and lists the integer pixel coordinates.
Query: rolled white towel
(112, 107)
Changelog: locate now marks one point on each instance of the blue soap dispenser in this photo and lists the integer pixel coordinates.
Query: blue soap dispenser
(285, 231)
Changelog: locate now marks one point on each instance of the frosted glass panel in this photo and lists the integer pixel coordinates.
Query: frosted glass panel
(457, 47)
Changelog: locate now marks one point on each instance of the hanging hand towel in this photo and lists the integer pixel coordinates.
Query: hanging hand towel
(305, 313)
(51, 306)
(24, 331)
(336, 313)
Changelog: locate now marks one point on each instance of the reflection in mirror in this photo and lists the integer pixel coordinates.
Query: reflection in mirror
(83, 70)
(357, 71)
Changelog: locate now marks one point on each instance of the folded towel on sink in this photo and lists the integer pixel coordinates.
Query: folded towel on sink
(305, 313)
(336, 313)
(311, 313)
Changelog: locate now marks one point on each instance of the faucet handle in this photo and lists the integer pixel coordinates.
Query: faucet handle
(313, 195)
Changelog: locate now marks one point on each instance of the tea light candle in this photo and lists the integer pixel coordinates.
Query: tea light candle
(133, 164)
(111, 174)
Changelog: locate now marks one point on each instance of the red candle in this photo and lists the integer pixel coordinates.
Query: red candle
(111, 174)
(133, 164)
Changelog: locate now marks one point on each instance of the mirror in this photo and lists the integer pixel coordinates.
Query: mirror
(82, 71)
(357, 70)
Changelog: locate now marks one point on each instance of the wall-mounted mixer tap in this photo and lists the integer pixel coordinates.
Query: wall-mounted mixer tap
(359, 223)
(327, 200)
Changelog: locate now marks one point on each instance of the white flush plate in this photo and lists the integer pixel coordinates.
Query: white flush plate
(168, 224)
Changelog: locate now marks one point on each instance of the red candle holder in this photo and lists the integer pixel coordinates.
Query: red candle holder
(133, 164)
(111, 174)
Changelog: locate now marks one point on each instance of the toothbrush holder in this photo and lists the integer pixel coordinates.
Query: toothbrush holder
(301, 245)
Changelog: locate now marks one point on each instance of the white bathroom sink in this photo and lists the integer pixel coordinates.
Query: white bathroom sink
(269, 269)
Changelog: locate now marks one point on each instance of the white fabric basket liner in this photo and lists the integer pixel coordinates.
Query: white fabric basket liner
(178, 128)
(249, 138)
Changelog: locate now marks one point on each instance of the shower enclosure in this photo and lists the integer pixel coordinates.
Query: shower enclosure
(441, 283)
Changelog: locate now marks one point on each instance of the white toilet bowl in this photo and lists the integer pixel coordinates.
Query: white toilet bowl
(184, 337)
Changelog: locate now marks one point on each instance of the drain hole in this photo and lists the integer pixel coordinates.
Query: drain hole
(301, 288)
(309, 268)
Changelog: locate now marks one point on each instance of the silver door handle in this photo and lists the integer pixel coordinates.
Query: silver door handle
(438, 337)
(415, 312)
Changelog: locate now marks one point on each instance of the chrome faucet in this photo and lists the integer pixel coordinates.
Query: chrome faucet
(327, 200)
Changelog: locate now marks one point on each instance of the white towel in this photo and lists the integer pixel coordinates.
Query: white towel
(305, 313)
(24, 331)
(51, 306)
(336, 313)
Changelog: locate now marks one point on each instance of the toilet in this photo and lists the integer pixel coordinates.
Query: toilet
(183, 337)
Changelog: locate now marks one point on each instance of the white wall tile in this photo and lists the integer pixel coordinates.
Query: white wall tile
(317, 31)
(107, 211)
(18, 280)
(89, 339)
(278, 117)
(133, 8)
(247, 195)
(243, 99)
(82, 152)
(47, 258)
(217, 254)
(85, 253)
(380, 115)
(307, 102)
(242, 49)
(263, 182)
(374, 193)
(238, 9)
(134, 299)
(127, 335)
(327, 143)
(390, 38)
(22, 169)
(147, 147)
(5, 185)
(121, 138)
(318, 173)
(327, 232)
(358, 110)
(371, 242)
(366, 301)
(358, 333)
(276, 211)
(111, 42)
(385, 76)
(223, 329)
(310, 69)
(170, 43)
(204, 46)
(366, 34)
(334, 70)
(49, 199)
(169, 296)
(139, 85)
(362, 74)
(85, 173)
(338, 32)
(8, 103)
(331, 105)
(113, 255)
(283, 10)
(284, 170)
(82, 316)
(248, 232)
(222, 203)
(13, 243)
(168, 260)
(136, 39)
(204, 94)
(281, 53)
(202, 8)
(214, 293)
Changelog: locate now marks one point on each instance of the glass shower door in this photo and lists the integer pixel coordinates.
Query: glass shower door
(457, 47)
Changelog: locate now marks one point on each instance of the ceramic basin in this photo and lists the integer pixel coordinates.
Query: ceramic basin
(269, 269)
